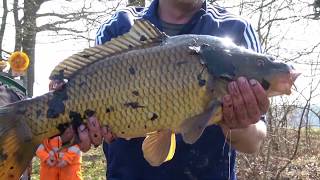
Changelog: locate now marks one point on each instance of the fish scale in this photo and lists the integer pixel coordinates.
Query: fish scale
(161, 91)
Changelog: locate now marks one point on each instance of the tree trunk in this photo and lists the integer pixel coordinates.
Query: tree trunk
(29, 29)
(141, 3)
(3, 24)
(18, 29)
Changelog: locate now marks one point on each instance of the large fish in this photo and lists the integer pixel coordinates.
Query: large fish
(141, 84)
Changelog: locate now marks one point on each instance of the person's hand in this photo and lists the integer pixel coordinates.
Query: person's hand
(55, 85)
(108, 136)
(244, 104)
(62, 163)
(51, 161)
(93, 134)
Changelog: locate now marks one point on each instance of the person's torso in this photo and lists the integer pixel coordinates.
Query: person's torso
(210, 157)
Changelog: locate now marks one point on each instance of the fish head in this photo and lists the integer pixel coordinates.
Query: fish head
(229, 62)
(276, 77)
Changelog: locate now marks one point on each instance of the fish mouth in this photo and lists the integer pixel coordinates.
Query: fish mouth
(282, 84)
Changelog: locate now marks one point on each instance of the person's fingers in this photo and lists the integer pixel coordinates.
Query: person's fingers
(56, 85)
(85, 142)
(250, 102)
(50, 162)
(261, 96)
(227, 110)
(94, 131)
(108, 136)
(239, 109)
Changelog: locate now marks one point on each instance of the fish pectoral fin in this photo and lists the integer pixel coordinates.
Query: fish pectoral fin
(192, 128)
(159, 147)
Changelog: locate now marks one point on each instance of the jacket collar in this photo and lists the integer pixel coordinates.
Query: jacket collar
(152, 15)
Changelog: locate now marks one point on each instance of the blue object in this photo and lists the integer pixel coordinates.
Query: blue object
(208, 157)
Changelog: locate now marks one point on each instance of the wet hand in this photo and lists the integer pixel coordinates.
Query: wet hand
(93, 134)
(56, 85)
(245, 103)
(90, 134)
(108, 136)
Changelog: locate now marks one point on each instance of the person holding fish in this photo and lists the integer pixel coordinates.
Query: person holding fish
(243, 127)
(180, 99)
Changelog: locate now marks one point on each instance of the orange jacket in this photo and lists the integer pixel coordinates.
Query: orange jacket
(72, 155)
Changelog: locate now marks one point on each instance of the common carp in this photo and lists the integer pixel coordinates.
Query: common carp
(140, 84)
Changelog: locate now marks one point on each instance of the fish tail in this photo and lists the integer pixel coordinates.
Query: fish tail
(16, 141)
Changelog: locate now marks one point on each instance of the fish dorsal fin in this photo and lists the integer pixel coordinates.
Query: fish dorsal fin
(141, 33)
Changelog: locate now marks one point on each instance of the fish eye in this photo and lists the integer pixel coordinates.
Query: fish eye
(261, 62)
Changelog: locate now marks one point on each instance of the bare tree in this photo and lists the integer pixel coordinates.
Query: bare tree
(140, 3)
(285, 30)
(64, 24)
(3, 23)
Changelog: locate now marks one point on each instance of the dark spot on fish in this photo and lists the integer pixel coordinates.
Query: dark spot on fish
(154, 117)
(128, 126)
(89, 113)
(143, 38)
(109, 109)
(132, 71)
(133, 105)
(56, 105)
(62, 127)
(122, 132)
(38, 113)
(181, 63)
(85, 55)
(95, 135)
(11, 167)
(136, 93)
(130, 46)
(59, 76)
(201, 81)
(76, 119)
(265, 84)
(145, 126)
